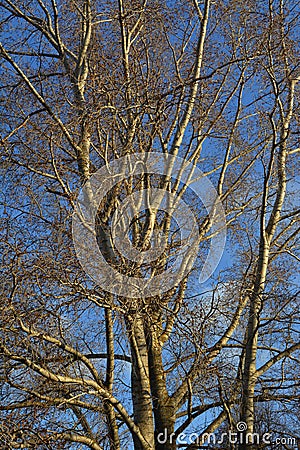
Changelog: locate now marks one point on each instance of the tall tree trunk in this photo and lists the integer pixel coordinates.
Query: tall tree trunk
(109, 380)
(267, 232)
(141, 393)
(164, 409)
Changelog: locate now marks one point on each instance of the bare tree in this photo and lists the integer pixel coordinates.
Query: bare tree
(89, 87)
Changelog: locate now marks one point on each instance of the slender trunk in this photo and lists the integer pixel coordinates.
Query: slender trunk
(163, 406)
(109, 380)
(249, 375)
(267, 232)
(141, 393)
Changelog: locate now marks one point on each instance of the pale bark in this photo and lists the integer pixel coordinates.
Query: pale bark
(178, 106)
(267, 232)
(140, 380)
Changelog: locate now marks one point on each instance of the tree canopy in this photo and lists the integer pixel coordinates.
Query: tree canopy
(135, 136)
